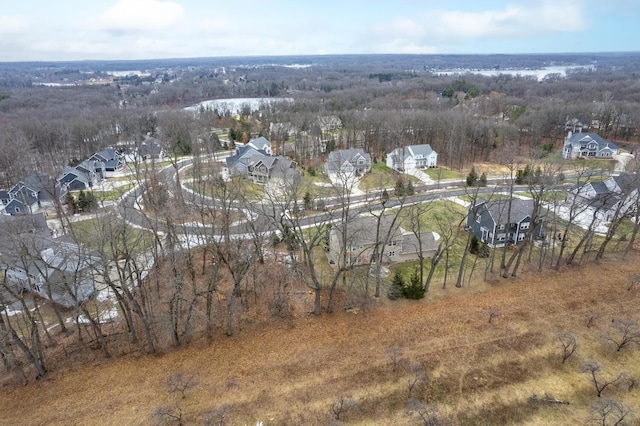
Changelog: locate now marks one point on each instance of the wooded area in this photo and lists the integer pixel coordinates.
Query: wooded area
(178, 253)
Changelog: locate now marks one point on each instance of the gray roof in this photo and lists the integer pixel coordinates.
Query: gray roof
(424, 149)
(26, 244)
(337, 158)
(499, 210)
(580, 139)
(260, 143)
(410, 242)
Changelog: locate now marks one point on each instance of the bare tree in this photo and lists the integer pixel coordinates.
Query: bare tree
(634, 281)
(607, 411)
(623, 332)
(428, 414)
(418, 378)
(342, 406)
(600, 383)
(569, 344)
(180, 383)
(395, 355)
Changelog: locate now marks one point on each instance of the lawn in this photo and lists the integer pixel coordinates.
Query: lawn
(113, 194)
(100, 233)
(442, 173)
(381, 177)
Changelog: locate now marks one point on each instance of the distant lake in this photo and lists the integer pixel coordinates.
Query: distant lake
(539, 73)
(235, 105)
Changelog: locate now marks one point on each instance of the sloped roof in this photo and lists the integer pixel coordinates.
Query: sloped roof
(410, 242)
(578, 139)
(424, 149)
(260, 143)
(499, 209)
(337, 158)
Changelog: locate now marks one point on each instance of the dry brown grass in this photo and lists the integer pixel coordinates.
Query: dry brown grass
(290, 372)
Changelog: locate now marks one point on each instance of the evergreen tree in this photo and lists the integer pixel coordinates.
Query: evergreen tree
(410, 189)
(71, 203)
(483, 179)
(396, 290)
(414, 289)
(472, 177)
(307, 200)
(399, 190)
(474, 246)
(384, 196)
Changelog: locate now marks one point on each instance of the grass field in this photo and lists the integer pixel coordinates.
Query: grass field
(464, 369)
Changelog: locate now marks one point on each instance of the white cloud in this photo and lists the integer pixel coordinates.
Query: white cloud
(514, 20)
(128, 16)
(12, 25)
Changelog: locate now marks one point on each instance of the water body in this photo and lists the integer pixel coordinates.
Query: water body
(235, 105)
(539, 73)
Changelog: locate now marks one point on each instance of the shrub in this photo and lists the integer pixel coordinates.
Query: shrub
(414, 289)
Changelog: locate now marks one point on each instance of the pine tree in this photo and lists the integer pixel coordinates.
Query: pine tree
(399, 188)
(396, 290)
(483, 179)
(472, 177)
(414, 289)
(410, 189)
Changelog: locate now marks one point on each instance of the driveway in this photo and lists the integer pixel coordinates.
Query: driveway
(420, 175)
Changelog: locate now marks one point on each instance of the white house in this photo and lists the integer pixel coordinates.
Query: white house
(412, 157)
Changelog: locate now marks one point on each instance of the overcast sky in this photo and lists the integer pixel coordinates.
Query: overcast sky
(36, 30)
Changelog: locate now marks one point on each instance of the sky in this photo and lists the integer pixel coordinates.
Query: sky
(63, 30)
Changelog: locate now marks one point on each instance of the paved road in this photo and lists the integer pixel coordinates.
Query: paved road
(129, 210)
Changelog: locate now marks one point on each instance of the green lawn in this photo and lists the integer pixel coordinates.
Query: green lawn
(100, 233)
(114, 194)
(443, 173)
(381, 177)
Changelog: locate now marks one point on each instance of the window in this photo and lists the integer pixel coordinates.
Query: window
(525, 225)
(392, 243)
(392, 253)
(478, 218)
(501, 227)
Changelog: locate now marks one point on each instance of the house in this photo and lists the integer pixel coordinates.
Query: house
(260, 144)
(32, 260)
(237, 164)
(588, 145)
(81, 177)
(496, 224)
(394, 243)
(412, 157)
(30, 194)
(150, 149)
(108, 159)
(606, 200)
(329, 123)
(352, 161)
(263, 168)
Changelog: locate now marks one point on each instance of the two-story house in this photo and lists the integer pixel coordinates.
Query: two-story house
(588, 145)
(354, 162)
(500, 222)
(606, 200)
(30, 194)
(264, 168)
(363, 235)
(108, 160)
(412, 157)
(81, 177)
(55, 268)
